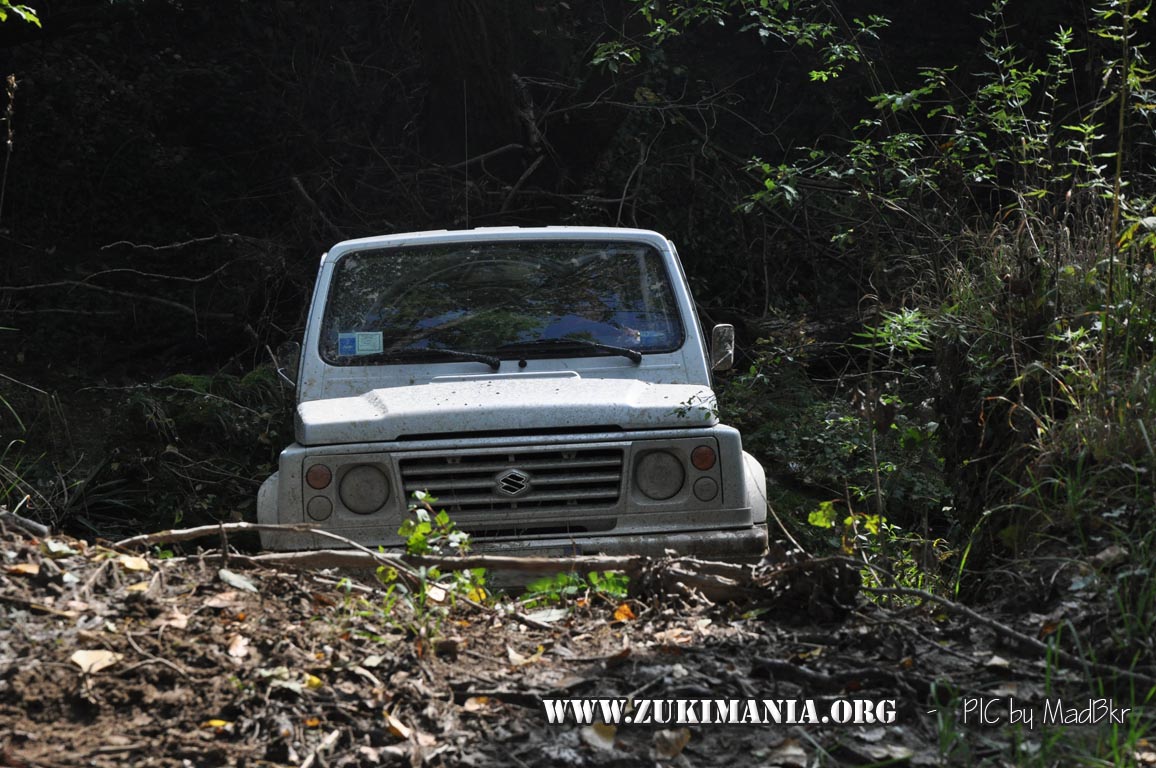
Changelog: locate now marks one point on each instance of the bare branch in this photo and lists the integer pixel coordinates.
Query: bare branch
(366, 557)
(229, 236)
(30, 526)
(297, 185)
(125, 294)
(158, 276)
(336, 558)
(521, 180)
(60, 311)
(1019, 637)
(369, 558)
(475, 159)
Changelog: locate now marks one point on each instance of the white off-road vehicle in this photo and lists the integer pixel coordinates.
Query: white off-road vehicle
(549, 387)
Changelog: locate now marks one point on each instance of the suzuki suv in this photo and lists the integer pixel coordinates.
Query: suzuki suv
(550, 388)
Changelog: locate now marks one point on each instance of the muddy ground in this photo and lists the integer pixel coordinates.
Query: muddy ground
(113, 657)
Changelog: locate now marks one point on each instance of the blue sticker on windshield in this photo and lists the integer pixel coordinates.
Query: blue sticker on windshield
(362, 343)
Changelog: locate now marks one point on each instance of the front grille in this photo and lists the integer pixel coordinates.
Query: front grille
(536, 481)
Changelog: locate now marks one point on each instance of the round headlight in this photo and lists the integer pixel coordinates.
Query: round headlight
(364, 489)
(659, 475)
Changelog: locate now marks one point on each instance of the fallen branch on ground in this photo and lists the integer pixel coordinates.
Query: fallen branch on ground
(28, 526)
(821, 588)
(374, 558)
(1026, 640)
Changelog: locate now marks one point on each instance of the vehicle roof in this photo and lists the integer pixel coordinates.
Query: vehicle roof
(501, 233)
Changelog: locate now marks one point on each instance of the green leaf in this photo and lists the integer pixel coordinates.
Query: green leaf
(823, 517)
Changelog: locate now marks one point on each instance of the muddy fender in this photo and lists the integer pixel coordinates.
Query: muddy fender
(267, 513)
(756, 482)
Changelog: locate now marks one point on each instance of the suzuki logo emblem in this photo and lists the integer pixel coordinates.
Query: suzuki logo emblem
(512, 482)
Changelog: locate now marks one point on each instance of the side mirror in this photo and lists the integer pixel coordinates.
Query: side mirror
(289, 361)
(722, 347)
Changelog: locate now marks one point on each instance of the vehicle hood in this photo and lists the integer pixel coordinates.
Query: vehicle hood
(497, 404)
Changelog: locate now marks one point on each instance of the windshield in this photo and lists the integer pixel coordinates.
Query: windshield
(507, 299)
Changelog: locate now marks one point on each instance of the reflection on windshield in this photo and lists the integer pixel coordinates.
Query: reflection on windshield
(482, 297)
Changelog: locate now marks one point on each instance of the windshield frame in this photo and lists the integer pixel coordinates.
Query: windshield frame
(657, 266)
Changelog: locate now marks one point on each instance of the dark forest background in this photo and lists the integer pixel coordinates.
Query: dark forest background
(932, 224)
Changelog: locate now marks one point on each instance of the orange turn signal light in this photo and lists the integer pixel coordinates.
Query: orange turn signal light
(703, 457)
(318, 476)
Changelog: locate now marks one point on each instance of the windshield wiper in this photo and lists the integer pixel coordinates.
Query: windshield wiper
(416, 353)
(634, 355)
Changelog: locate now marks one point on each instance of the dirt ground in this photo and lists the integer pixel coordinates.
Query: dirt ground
(114, 658)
